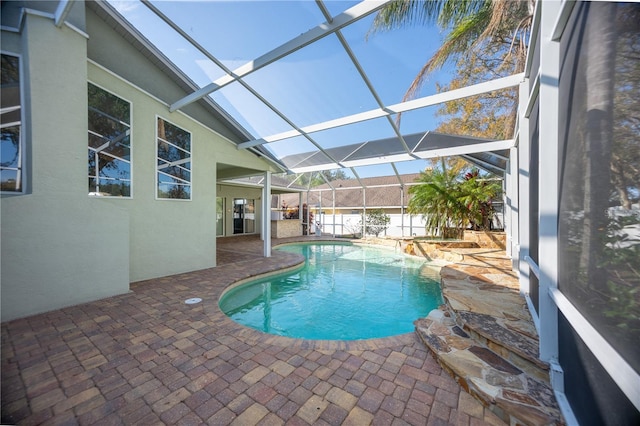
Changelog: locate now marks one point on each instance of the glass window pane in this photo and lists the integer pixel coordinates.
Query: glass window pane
(113, 168)
(171, 153)
(114, 188)
(11, 148)
(9, 179)
(174, 135)
(109, 142)
(173, 162)
(173, 174)
(174, 191)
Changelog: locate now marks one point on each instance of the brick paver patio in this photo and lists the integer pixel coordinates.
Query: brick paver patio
(148, 358)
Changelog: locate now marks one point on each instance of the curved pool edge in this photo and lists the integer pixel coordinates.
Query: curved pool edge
(254, 336)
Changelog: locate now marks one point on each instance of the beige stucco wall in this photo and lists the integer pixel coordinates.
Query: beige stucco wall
(171, 236)
(59, 247)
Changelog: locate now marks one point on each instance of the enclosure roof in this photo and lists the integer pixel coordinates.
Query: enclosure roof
(308, 83)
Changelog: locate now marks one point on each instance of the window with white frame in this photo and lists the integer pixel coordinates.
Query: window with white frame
(12, 147)
(173, 161)
(109, 144)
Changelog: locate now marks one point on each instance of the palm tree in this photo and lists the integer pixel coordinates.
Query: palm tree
(477, 195)
(472, 25)
(437, 199)
(450, 201)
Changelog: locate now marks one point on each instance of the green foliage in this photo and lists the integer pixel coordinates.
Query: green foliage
(376, 221)
(477, 195)
(437, 200)
(447, 199)
(490, 29)
(621, 260)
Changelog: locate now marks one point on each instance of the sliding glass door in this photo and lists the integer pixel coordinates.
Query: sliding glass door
(244, 216)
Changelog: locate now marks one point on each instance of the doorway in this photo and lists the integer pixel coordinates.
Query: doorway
(244, 216)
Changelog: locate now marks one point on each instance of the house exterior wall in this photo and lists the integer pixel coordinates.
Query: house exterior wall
(62, 247)
(59, 247)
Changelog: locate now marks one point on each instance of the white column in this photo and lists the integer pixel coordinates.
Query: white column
(300, 218)
(523, 190)
(333, 207)
(364, 210)
(548, 187)
(514, 205)
(266, 213)
(401, 211)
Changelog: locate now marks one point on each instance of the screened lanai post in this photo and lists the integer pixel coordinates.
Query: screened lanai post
(364, 211)
(523, 195)
(395, 170)
(513, 205)
(319, 220)
(548, 179)
(401, 211)
(266, 213)
(300, 218)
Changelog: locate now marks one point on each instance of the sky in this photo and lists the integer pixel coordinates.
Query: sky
(312, 85)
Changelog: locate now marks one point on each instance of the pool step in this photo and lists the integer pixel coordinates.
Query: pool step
(509, 391)
(511, 344)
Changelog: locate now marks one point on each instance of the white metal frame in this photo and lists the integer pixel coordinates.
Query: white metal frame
(451, 95)
(342, 20)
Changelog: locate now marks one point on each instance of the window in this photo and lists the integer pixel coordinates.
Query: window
(244, 216)
(109, 144)
(11, 148)
(219, 216)
(174, 161)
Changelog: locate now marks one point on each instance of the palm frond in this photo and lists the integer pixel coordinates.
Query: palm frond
(456, 43)
(400, 13)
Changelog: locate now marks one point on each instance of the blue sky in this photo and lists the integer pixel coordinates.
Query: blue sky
(312, 85)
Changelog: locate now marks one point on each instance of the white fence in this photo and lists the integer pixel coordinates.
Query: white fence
(399, 226)
(350, 224)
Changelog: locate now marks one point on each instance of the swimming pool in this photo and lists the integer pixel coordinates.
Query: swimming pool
(343, 292)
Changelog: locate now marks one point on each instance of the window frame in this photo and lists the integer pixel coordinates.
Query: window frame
(157, 157)
(131, 134)
(21, 169)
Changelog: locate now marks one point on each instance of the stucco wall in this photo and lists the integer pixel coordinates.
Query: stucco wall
(171, 236)
(59, 248)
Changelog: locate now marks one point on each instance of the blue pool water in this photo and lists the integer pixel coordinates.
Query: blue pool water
(344, 292)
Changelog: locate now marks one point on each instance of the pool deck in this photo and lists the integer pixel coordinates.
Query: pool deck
(148, 358)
